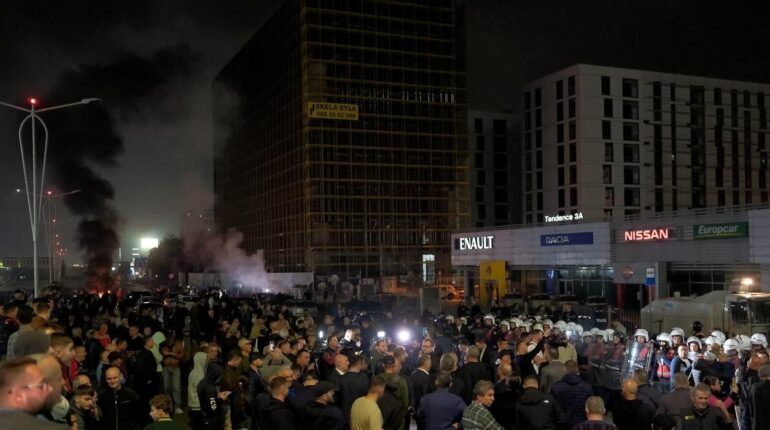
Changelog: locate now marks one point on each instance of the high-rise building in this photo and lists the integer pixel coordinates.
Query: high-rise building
(610, 143)
(495, 171)
(341, 143)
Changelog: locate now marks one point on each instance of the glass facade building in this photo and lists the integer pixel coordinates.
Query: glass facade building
(341, 141)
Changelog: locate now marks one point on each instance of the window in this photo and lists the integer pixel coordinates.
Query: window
(607, 174)
(746, 99)
(481, 177)
(560, 133)
(479, 160)
(572, 130)
(631, 131)
(571, 105)
(571, 86)
(560, 176)
(500, 144)
(479, 195)
(539, 181)
(573, 174)
(501, 213)
(608, 108)
(560, 197)
(538, 97)
(605, 85)
(527, 100)
(658, 200)
(717, 96)
(480, 143)
(630, 88)
(538, 118)
(721, 197)
(560, 154)
(560, 111)
(631, 197)
(630, 109)
(501, 195)
(606, 130)
(539, 160)
(608, 154)
(478, 125)
(631, 175)
(482, 211)
(572, 152)
(609, 196)
(499, 126)
(573, 196)
(538, 138)
(539, 202)
(630, 153)
(559, 89)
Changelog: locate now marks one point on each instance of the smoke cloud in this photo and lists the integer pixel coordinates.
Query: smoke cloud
(87, 137)
(207, 250)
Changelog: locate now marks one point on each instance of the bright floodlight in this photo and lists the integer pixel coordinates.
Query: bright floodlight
(380, 334)
(33, 101)
(747, 282)
(404, 336)
(321, 334)
(148, 243)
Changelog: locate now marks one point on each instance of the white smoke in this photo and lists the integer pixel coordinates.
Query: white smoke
(207, 251)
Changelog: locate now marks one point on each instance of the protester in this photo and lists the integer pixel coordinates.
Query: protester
(594, 411)
(477, 415)
(161, 410)
(441, 410)
(365, 414)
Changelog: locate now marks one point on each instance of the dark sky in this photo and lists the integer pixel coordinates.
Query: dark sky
(153, 62)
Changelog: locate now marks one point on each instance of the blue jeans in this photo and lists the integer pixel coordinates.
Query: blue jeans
(172, 385)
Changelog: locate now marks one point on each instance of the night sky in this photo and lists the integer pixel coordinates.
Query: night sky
(153, 62)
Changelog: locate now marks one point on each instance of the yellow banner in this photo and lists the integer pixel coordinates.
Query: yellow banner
(492, 283)
(323, 110)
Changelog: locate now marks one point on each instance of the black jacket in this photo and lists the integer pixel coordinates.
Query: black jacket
(759, 399)
(710, 419)
(471, 373)
(323, 417)
(507, 395)
(278, 415)
(146, 373)
(393, 410)
(352, 386)
(211, 405)
(538, 411)
(633, 415)
(119, 409)
(420, 381)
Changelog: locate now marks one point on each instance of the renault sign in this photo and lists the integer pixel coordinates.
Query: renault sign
(474, 243)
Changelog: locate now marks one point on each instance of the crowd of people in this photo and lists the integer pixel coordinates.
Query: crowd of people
(95, 362)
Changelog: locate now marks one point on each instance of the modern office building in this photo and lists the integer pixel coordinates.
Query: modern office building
(612, 143)
(495, 171)
(341, 142)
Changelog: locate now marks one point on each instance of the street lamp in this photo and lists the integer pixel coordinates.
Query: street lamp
(35, 207)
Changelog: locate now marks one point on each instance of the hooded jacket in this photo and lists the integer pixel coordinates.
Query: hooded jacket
(196, 375)
(157, 339)
(210, 404)
(538, 411)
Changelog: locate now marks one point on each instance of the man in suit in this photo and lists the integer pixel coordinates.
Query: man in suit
(441, 410)
(420, 379)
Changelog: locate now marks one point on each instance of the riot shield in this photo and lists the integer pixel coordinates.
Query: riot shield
(638, 356)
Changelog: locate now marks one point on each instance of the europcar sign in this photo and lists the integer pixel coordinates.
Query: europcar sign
(720, 231)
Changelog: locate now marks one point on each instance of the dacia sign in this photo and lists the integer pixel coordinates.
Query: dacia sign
(720, 231)
(561, 239)
(474, 243)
